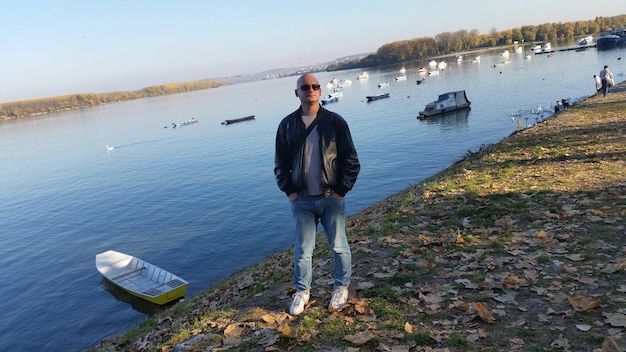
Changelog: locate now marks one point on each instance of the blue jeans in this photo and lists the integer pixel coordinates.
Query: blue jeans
(307, 211)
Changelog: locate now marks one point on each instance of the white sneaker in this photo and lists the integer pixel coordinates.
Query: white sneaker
(339, 298)
(300, 299)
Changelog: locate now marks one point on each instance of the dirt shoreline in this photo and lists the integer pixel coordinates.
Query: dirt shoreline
(520, 246)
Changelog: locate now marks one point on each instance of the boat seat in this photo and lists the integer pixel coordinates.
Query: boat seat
(174, 283)
(128, 273)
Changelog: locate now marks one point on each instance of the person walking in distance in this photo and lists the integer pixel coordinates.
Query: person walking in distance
(315, 165)
(605, 76)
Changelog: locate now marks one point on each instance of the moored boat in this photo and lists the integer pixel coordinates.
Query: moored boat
(607, 41)
(377, 97)
(401, 78)
(345, 82)
(446, 102)
(184, 123)
(421, 70)
(384, 84)
(140, 278)
(586, 40)
(241, 119)
(363, 75)
(329, 100)
(546, 48)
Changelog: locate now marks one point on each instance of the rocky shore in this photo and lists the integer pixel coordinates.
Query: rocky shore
(520, 246)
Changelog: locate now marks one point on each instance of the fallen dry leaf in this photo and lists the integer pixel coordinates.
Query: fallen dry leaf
(360, 338)
(483, 312)
(583, 327)
(583, 304)
(616, 319)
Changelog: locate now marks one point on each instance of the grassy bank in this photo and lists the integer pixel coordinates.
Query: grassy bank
(518, 247)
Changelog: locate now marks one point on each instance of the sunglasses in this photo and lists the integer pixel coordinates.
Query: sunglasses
(306, 87)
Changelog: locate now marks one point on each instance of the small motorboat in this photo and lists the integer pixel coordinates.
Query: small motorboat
(184, 123)
(140, 278)
(547, 48)
(377, 97)
(241, 119)
(329, 100)
(446, 102)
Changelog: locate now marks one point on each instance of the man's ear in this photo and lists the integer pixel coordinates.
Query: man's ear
(296, 91)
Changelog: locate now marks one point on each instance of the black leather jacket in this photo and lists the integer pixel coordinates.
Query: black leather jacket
(340, 163)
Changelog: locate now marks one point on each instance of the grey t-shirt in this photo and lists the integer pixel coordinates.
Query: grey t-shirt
(312, 160)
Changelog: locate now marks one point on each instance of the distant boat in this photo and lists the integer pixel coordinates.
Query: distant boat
(546, 48)
(446, 102)
(184, 123)
(241, 119)
(401, 78)
(433, 72)
(421, 71)
(607, 41)
(384, 84)
(329, 100)
(377, 97)
(363, 75)
(140, 278)
(476, 60)
(345, 82)
(586, 40)
(335, 94)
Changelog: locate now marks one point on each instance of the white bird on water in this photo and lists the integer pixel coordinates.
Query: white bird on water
(109, 148)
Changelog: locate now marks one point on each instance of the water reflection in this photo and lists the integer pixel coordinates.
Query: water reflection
(138, 304)
(448, 119)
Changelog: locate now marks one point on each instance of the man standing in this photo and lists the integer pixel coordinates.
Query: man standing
(315, 165)
(605, 75)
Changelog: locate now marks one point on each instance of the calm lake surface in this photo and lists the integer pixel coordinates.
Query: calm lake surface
(201, 200)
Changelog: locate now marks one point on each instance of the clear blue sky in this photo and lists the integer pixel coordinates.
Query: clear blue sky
(52, 48)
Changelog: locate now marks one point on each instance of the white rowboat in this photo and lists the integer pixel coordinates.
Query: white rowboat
(140, 278)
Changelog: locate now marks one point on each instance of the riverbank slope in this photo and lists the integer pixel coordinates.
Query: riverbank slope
(520, 246)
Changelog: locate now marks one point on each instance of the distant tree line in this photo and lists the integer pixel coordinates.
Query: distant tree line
(462, 40)
(32, 107)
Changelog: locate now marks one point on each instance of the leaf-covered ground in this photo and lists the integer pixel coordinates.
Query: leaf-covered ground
(520, 246)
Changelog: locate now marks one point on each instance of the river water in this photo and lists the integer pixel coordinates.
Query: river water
(201, 200)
